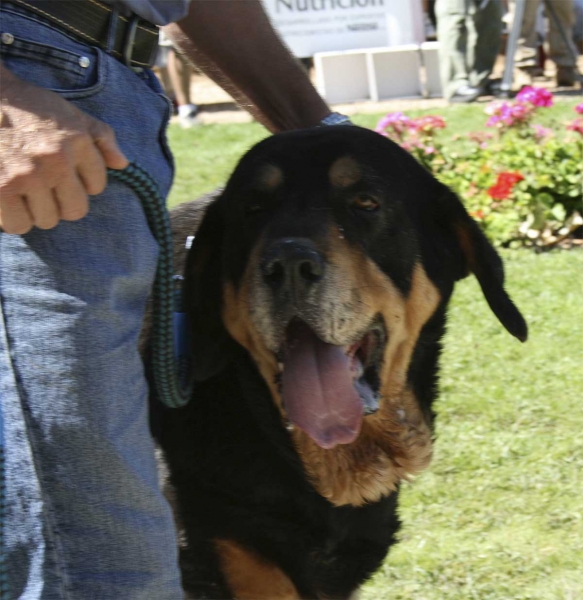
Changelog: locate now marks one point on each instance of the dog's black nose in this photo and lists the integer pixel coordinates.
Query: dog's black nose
(292, 261)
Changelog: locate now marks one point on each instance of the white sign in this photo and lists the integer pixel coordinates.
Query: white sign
(310, 26)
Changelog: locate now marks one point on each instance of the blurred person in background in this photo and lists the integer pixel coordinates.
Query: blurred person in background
(561, 53)
(578, 29)
(175, 72)
(469, 34)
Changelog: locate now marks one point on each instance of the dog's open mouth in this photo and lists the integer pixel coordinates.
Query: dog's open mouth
(327, 389)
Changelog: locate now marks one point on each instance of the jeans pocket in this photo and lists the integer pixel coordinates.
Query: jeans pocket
(76, 71)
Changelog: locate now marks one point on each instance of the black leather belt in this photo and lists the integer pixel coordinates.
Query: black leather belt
(132, 40)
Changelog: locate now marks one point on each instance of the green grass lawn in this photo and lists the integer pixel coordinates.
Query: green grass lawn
(499, 515)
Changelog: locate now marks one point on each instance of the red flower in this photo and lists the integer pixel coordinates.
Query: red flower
(509, 178)
(504, 184)
(499, 192)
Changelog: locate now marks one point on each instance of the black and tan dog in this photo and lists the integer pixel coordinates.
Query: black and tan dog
(317, 288)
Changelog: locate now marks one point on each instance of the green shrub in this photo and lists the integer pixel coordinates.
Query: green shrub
(522, 184)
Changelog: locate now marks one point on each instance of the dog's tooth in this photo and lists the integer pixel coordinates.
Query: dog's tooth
(280, 366)
(289, 427)
(358, 369)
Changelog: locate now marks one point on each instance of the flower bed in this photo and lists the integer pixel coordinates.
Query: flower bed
(521, 181)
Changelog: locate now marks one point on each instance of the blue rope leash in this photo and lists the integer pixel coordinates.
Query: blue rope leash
(169, 327)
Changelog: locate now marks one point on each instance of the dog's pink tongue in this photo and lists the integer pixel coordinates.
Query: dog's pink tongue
(318, 390)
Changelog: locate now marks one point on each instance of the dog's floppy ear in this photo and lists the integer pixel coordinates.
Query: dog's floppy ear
(211, 345)
(479, 257)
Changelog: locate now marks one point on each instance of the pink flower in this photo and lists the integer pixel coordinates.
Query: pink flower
(481, 138)
(541, 132)
(576, 125)
(396, 121)
(579, 108)
(520, 112)
(535, 96)
(507, 114)
(493, 107)
(414, 135)
(427, 123)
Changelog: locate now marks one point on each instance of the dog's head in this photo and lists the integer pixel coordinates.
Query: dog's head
(326, 256)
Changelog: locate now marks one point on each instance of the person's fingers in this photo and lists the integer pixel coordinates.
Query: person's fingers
(14, 215)
(104, 139)
(91, 170)
(71, 198)
(42, 207)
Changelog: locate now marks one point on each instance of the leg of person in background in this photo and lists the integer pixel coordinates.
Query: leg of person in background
(578, 28)
(452, 34)
(526, 59)
(561, 54)
(161, 71)
(488, 26)
(431, 12)
(179, 72)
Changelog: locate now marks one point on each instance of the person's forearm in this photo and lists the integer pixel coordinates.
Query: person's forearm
(235, 44)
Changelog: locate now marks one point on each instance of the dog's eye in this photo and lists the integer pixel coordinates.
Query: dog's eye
(365, 202)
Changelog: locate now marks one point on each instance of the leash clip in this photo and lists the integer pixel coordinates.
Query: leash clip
(180, 326)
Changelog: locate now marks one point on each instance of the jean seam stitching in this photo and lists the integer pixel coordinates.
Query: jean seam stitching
(102, 77)
(77, 31)
(41, 48)
(49, 16)
(103, 68)
(54, 61)
(16, 10)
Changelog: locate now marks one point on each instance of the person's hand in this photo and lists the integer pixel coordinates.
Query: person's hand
(52, 155)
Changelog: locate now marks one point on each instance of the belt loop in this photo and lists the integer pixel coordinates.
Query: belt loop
(111, 30)
(128, 46)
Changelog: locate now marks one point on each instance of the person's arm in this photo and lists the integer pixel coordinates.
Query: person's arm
(52, 155)
(233, 42)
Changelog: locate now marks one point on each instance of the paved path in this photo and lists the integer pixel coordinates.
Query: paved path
(218, 107)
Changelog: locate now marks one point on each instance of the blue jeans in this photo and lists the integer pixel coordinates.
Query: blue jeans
(86, 519)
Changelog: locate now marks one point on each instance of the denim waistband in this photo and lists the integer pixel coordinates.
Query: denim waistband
(121, 31)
